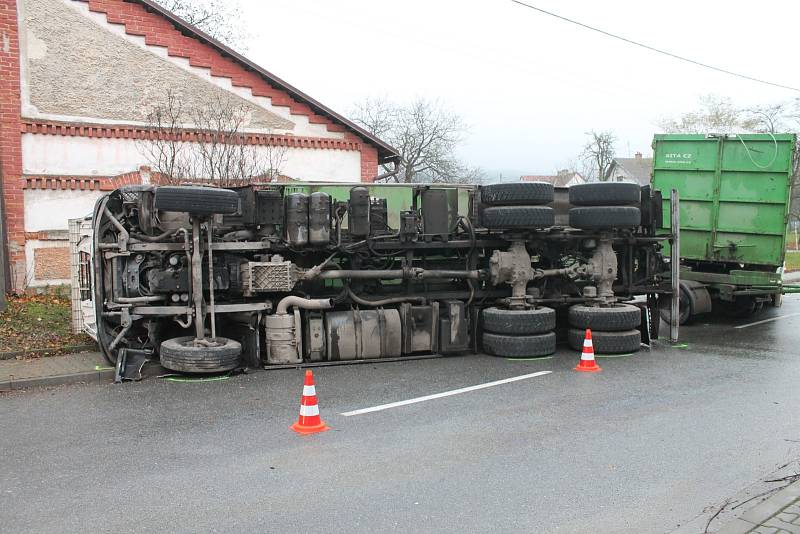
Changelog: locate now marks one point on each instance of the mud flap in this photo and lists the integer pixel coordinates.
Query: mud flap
(129, 365)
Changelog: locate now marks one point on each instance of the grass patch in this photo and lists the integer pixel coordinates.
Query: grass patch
(34, 323)
(792, 261)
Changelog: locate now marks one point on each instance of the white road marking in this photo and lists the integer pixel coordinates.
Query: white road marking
(444, 394)
(778, 318)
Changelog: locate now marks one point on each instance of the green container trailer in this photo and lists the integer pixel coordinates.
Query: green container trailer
(734, 207)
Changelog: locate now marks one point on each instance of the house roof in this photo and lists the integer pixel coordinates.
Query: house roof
(558, 180)
(639, 168)
(385, 151)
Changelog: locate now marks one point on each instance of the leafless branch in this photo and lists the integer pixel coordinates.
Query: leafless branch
(220, 19)
(424, 132)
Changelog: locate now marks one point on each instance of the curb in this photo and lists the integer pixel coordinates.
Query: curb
(761, 513)
(44, 352)
(89, 377)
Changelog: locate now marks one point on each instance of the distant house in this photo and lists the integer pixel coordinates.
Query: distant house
(564, 178)
(636, 170)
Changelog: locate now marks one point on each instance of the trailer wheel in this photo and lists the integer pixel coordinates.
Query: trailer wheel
(519, 322)
(197, 200)
(685, 307)
(607, 342)
(605, 194)
(519, 346)
(180, 354)
(615, 318)
(530, 193)
(500, 217)
(595, 217)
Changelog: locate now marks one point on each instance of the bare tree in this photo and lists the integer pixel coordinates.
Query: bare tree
(426, 135)
(716, 114)
(220, 19)
(598, 154)
(213, 147)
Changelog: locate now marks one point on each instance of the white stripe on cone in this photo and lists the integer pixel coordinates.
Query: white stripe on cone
(309, 391)
(587, 343)
(587, 356)
(309, 411)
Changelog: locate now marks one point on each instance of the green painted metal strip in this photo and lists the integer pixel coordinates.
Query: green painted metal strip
(204, 379)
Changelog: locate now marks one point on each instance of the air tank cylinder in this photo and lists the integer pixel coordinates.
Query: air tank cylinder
(319, 219)
(358, 212)
(297, 219)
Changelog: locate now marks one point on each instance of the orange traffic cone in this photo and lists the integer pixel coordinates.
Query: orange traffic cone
(309, 422)
(588, 365)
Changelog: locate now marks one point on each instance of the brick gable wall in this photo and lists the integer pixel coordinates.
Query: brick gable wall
(10, 141)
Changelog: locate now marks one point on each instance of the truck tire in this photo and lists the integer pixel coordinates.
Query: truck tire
(519, 322)
(197, 200)
(519, 346)
(501, 217)
(607, 342)
(180, 354)
(605, 194)
(615, 318)
(595, 217)
(525, 193)
(685, 307)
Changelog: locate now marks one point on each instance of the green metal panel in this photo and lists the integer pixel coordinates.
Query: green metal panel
(734, 193)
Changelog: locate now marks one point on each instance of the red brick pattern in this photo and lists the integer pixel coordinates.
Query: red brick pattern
(121, 131)
(369, 163)
(84, 183)
(158, 31)
(51, 263)
(10, 141)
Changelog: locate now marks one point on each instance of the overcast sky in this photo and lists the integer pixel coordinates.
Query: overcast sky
(529, 85)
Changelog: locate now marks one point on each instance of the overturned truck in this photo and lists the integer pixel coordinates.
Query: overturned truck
(208, 280)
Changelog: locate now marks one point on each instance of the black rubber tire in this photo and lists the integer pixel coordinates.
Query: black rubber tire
(179, 354)
(519, 322)
(605, 194)
(685, 308)
(607, 342)
(516, 194)
(197, 200)
(614, 318)
(501, 217)
(597, 217)
(519, 346)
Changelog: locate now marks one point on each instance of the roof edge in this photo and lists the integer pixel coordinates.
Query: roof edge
(385, 151)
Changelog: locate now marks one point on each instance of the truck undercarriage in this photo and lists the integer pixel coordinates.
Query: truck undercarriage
(209, 280)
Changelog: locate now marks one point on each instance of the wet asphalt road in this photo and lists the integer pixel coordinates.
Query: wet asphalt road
(642, 447)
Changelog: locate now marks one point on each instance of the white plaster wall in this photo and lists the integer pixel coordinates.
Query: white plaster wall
(88, 156)
(32, 245)
(47, 209)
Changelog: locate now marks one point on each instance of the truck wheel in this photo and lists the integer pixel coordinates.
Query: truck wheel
(518, 217)
(519, 346)
(180, 354)
(519, 322)
(605, 194)
(591, 217)
(685, 309)
(614, 318)
(607, 342)
(197, 200)
(530, 193)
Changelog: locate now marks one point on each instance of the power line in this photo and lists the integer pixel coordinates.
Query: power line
(653, 49)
